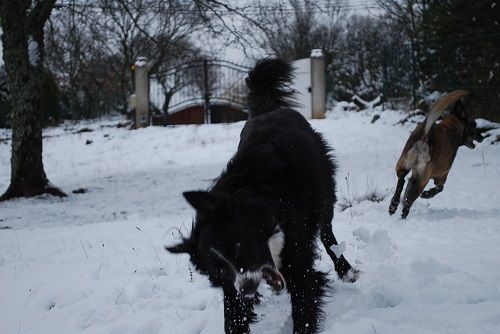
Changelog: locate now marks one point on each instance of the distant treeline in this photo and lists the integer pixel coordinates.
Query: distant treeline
(404, 50)
(91, 46)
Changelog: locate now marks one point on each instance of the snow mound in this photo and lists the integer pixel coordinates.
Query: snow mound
(94, 262)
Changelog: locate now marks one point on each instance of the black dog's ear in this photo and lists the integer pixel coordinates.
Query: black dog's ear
(184, 247)
(204, 202)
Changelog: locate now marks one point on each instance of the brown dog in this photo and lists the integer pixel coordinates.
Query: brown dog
(431, 149)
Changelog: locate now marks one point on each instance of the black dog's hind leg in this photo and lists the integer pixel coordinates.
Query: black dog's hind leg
(307, 288)
(238, 312)
(399, 188)
(342, 267)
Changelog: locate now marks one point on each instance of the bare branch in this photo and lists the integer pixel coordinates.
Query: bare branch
(40, 14)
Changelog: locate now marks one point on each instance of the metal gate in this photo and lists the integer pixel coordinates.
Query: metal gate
(204, 83)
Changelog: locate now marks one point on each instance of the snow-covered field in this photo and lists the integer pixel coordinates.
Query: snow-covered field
(94, 262)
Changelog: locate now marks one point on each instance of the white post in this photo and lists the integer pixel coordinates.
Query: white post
(318, 84)
(141, 71)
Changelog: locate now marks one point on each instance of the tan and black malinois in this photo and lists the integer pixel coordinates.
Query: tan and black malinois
(431, 149)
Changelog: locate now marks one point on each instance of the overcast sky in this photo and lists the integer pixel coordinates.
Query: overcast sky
(235, 53)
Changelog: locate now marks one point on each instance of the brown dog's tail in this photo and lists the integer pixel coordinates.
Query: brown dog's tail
(440, 105)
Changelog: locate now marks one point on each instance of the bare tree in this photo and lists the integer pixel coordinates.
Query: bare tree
(171, 75)
(161, 30)
(164, 34)
(358, 65)
(22, 23)
(77, 54)
(292, 28)
(4, 104)
(23, 44)
(408, 14)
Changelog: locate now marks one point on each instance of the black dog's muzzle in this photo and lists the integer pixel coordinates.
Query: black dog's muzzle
(247, 283)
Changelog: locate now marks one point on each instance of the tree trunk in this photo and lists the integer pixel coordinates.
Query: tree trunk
(22, 40)
(168, 96)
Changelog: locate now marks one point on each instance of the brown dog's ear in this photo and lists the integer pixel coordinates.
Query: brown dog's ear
(203, 201)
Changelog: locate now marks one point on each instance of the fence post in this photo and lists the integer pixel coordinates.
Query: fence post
(318, 84)
(141, 76)
(208, 116)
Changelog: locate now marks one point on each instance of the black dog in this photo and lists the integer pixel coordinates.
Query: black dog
(261, 217)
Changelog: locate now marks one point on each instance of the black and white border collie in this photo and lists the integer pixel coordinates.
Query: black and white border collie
(261, 217)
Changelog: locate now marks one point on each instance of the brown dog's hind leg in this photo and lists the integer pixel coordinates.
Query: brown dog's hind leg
(439, 182)
(399, 188)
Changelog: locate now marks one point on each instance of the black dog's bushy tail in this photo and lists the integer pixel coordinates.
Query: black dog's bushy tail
(269, 86)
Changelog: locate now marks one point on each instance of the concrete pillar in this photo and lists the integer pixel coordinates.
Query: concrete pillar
(141, 72)
(318, 84)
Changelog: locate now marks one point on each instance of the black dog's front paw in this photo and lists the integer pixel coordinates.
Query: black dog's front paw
(345, 271)
(352, 275)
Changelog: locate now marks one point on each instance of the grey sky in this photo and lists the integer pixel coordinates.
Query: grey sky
(235, 53)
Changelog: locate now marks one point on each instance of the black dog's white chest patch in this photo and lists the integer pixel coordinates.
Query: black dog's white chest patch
(276, 242)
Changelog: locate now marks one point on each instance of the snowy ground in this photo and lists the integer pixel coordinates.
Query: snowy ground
(94, 262)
